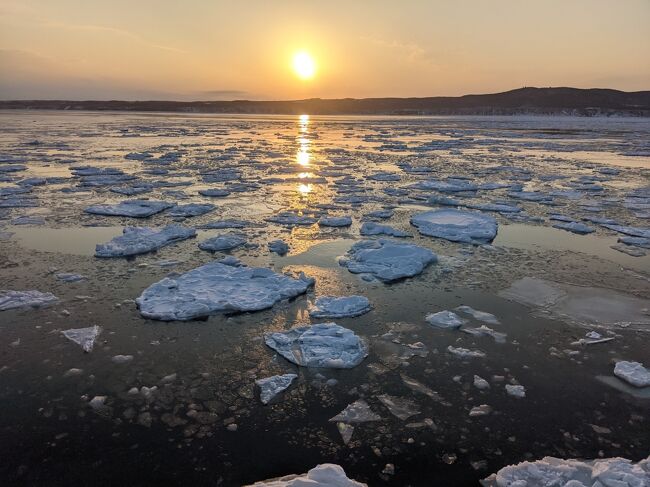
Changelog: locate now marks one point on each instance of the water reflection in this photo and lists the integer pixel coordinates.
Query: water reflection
(303, 156)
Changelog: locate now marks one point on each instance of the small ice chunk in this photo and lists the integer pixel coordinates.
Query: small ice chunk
(381, 214)
(457, 225)
(339, 307)
(346, 431)
(97, 402)
(324, 475)
(132, 208)
(357, 412)
(335, 221)
(289, 218)
(486, 331)
(482, 410)
(445, 319)
(272, 386)
(387, 260)
(219, 286)
(465, 352)
(84, 337)
(325, 345)
(479, 315)
(221, 243)
(481, 383)
(515, 390)
(399, 407)
(633, 372)
(280, 247)
(25, 299)
(372, 228)
(140, 240)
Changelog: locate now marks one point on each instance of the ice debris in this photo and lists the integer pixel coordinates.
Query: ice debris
(325, 345)
(357, 412)
(399, 407)
(465, 352)
(478, 315)
(219, 286)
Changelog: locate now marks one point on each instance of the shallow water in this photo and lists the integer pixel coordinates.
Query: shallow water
(574, 406)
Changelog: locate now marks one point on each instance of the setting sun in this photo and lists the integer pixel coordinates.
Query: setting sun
(304, 65)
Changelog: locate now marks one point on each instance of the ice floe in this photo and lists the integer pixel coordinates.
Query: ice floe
(445, 319)
(465, 352)
(633, 372)
(84, 337)
(324, 475)
(551, 471)
(574, 227)
(372, 228)
(132, 208)
(216, 287)
(272, 386)
(387, 260)
(25, 299)
(326, 345)
(339, 307)
(280, 247)
(335, 221)
(580, 305)
(515, 390)
(139, 240)
(479, 315)
(223, 242)
(190, 210)
(456, 225)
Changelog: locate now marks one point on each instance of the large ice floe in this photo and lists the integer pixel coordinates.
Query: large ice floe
(632, 372)
(581, 305)
(552, 472)
(272, 386)
(25, 299)
(132, 208)
(139, 240)
(219, 286)
(326, 345)
(387, 260)
(339, 307)
(324, 475)
(456, 225)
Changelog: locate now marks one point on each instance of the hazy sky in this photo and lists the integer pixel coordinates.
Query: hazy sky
(210, 49)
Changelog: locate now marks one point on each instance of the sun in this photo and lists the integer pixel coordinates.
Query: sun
(304, 65)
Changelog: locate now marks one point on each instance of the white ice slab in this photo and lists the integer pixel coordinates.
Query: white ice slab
(445, 319)
(218, 287)
(339, 307)
(139, 240)
(25, 299)
(324, 475)
(132, 208)
(325, 345)
(456, 225)
(387, 260)
(223, 242)
(633, 372)
(84, 337)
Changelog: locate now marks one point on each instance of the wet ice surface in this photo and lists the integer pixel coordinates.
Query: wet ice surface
(178, 401)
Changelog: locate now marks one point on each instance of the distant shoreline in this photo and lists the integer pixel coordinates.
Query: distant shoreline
(523, 101)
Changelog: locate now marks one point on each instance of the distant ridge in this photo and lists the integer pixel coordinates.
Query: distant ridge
(536, 101)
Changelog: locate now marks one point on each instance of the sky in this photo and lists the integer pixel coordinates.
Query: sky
(212, 50)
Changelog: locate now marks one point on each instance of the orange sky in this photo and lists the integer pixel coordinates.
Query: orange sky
(164, 49)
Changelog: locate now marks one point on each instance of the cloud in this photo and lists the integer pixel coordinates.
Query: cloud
(112, 31)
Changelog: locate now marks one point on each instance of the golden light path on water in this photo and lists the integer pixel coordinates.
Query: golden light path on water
(303, 156)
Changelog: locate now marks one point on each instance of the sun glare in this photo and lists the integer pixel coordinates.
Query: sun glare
(304, 65)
